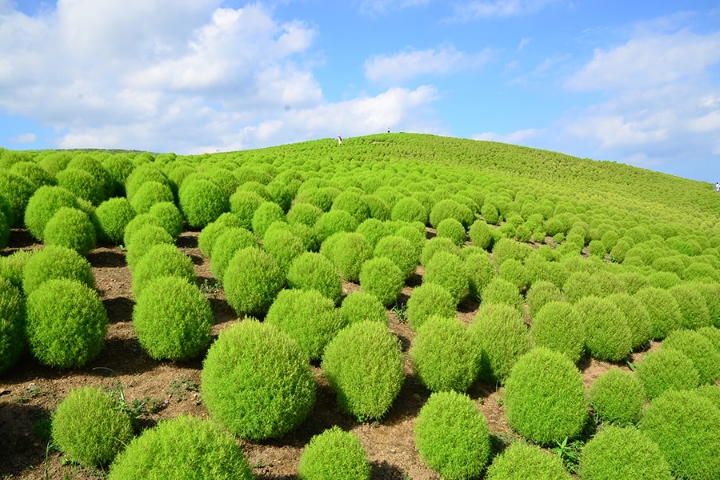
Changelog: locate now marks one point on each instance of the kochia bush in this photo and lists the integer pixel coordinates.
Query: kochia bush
(230, 241)
(427, 300)
(243, 204)
(521, 460)
(12, 324)
(283, 246)
(618, 396)
(70, 228)
(143, 240)
(693, 306)
(265, 215)
(637, 316)
(149, 194)
(81, 184)
(111, 218)
(209, 235)
(699, 349)
(452, 229)
(360, 306)
(170, 217)
(558, 326)
(448, 271)
(252, 280)
(665, 315)
(607, 335)
(313, 271)
(400, 251)
(666, 369)
(53, 262)
(43, 204)
(202, 202)
(350, 252)
(162, 260)
(334, 454)
(409, 209)
(380, 276)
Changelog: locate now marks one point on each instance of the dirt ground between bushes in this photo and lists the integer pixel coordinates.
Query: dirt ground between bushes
(29, 392)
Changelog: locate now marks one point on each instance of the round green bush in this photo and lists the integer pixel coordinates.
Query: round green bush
(82, 184)
(400, 251)
(481, 234)
(699, 349)
(521, 461)
(143, 240)
(94, 167)
(380, 276)
(305, 213)
(149, 194)
(373, 230)
(666, 369)
(170, 217)
(137, 223)
(265, 215)
(448, 271)
(540, 294)
(352, 203)
(243, 205)
(607, 335)
(252, 280)
(33, 173)
(579, 285)
(684, 425)
(712, 334)
(211, 232)
(452, 436)
(664, 280)
(618, 397)
(663, 309)
(451, 209)
(148, 172)
(350, 252)
(88, 427)
(66, 323)
(694, 310)
(334, 454)
(54, 262)
(711, 392)
(43, 205)
(228, 243)
(711, 292)
(364, 365)
(427, 300)
(202, 202)
(257, 382)
(172, 318)
(111, 218)
(183, 448)
(452, 229)
(637, 317)
(16, 190)
(163, 260)
(545, 397)
(514, 272)
(360, 306)
(307, 317)
(70, 228)
(558, 326)
(480, 271)
(379, 209)
(444, 355)
(435, 245)
(501, 335)
(623, 453)
(409, 209)
(12, 324)
(119, 167)
(333, 222)
(313, 271)
(502, 291)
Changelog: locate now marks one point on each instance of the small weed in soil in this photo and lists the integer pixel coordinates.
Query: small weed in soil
(209, 288)
(401, 311)
(136, 408)
(569, 453)
(178, 388)
(30, 392)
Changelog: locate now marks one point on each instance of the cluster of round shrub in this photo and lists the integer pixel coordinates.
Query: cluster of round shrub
(54, 262)
(334, 454)
(12, 324)
(252, 280)
(202, 202)
(144, 239)
(382, 278)
(558, 326)
(211, 232)
(699, 349)
(448, 271)
(349, 252)
(401, 251)
(111, 218)
(43, 205)
(160, 261)
(360, 306)
(72, 228)
(607, 335)
(313, 271)
(282, 245)
(618, 397)
(666, 369)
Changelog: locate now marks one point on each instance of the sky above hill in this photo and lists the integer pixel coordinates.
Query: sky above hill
(635, 82)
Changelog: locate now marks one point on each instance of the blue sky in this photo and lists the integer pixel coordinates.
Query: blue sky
(635, 82)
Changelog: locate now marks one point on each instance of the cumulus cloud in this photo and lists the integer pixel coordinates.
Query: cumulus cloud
(164, 75)
(411, 63)
(499, 8)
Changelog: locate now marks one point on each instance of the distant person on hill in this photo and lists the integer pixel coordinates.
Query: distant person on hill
(717, 187)
(339, 139)
(388, 129)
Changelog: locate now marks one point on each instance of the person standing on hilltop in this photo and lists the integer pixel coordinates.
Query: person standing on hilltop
(339, 139)
(717, 186)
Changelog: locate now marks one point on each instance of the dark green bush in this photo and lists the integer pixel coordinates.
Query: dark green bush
(209, 235)
(444, 355)
(502, 291)
(183, 448)
(666, 369)
(265, 215)
(364, 365)
(350, 251)
(623, 453)
(170, 217)
(12, 324)
(699, 349)
(618, 396)
(333, 222)
(665, 315)
(352, 203)
(142, 241)
(307, 317)
(43, 205)
(435, 245)
(540, 294)
(501, 335)
(381, 277)
(66, 323)
(163, 260)
(521, 461)
(400, 251)
(82, 184)
(252, 280)
(607, 335)
(16, 190)
(684, 425)
(427, 300)
(243, 205)
(545, 397)
(202, 202)
(172, 318)
(334, 454)
(360, 306)
(256, 381)
(637, 317)
(88, 427)
(692, 305)
(452, 229)
(409, 209)
(559, 327)
(231, 240)
(313, 271)
(149, 194)
(452, 436)
(54, 262)
(111, 218)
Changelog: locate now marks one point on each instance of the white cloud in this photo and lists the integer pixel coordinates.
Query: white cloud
(519, 137)
(162, 75)
(499, 8)
(24, 138)
(381, 6)
(523, 43)
(411, 63)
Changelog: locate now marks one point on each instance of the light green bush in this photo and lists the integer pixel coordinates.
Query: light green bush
(211, 232)
(452, 229)
(228, 243)
(252, 280)
(138, 222)
(558, 326)
(666, 369)
(427, 300)
(693, 307)
(618, 397)
(43, 205)
(400, 251)
(712, 334)
(481, 234)
(163, 260)
(521, 461)
(95, 168)
(70, 228)
(502, 291)
(305, 213)
(333, 222)
(283, 246)
(699, 349)
(313, 271)
(380, 277)
(448, 271)
(16, 190)
(360, 306)
(12, 324)
(540, 294)
(143, 240)
(352, 203)
(170, 217)
(435, 245)
(243, 205)
(373, 230)
(409, 209)
(265, 215)
(514, 272)
(81, 184)
(665, 315)
(351, 251)
(334, 454)
(451, 209)
(379, 209)
(111, 218)
(54, 262)
(637, 317)
(149, 194)
(480, 271)
(364, 365)
(202, 202)
(607, 335)
(33, 173)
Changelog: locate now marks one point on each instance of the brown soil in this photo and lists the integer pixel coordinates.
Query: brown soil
(29, 392)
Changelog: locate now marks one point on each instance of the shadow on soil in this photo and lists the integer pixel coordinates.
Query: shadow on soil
(385, 471)
(27, 446)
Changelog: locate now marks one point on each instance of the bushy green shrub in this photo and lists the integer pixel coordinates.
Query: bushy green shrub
(684, 425)
(307, 317)
(540, 294)
(231, 240)
(711, 392)
(409, 209)
(545, 397)
(163, 260)
(623, 453)
(380, 277)
(149, 194)
(618, 396)
(666, 369)
(664, 280)
(88, 427)
(607, 335)
(43, 205)
(502, 291)
(444, 355)
(334, 454)
(637, 317)
(578, 285)
(333, 222)
(701, 272)
(170, 217)
(699, 349)
(16, 190)
(53, 262)
(712, 334)
(505, 249)
(364, 365)
(148, 172)
(183, 448)
(559, 327)
(379, 209)
(521, 461)
(111, 218)
(514, 272)
(202, 202)
(66, 323)
(70, 228)
(305, 213)
(265, 215)
(711, 293)
(665, 315)
(143, 240)
(480, 271)
(313, 271)
(352, 203)
(319, 197)
(138, 222)
(95, 168)
(427, 300)
(692, 305)
(12, 324)
(452, 229)
(448, 271)
(451, 209)
(172, 318)
(452, 436)
(435, 245)
(243, 205)
(283, 246)
(481, 234)
(501, 335)
(350, 251)
(373, 230)
(211, 232)
(256, 381)
(82, 184)
(33, 173)
(400, 251)
(119, 168)
(252, 280)
(360, 306)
